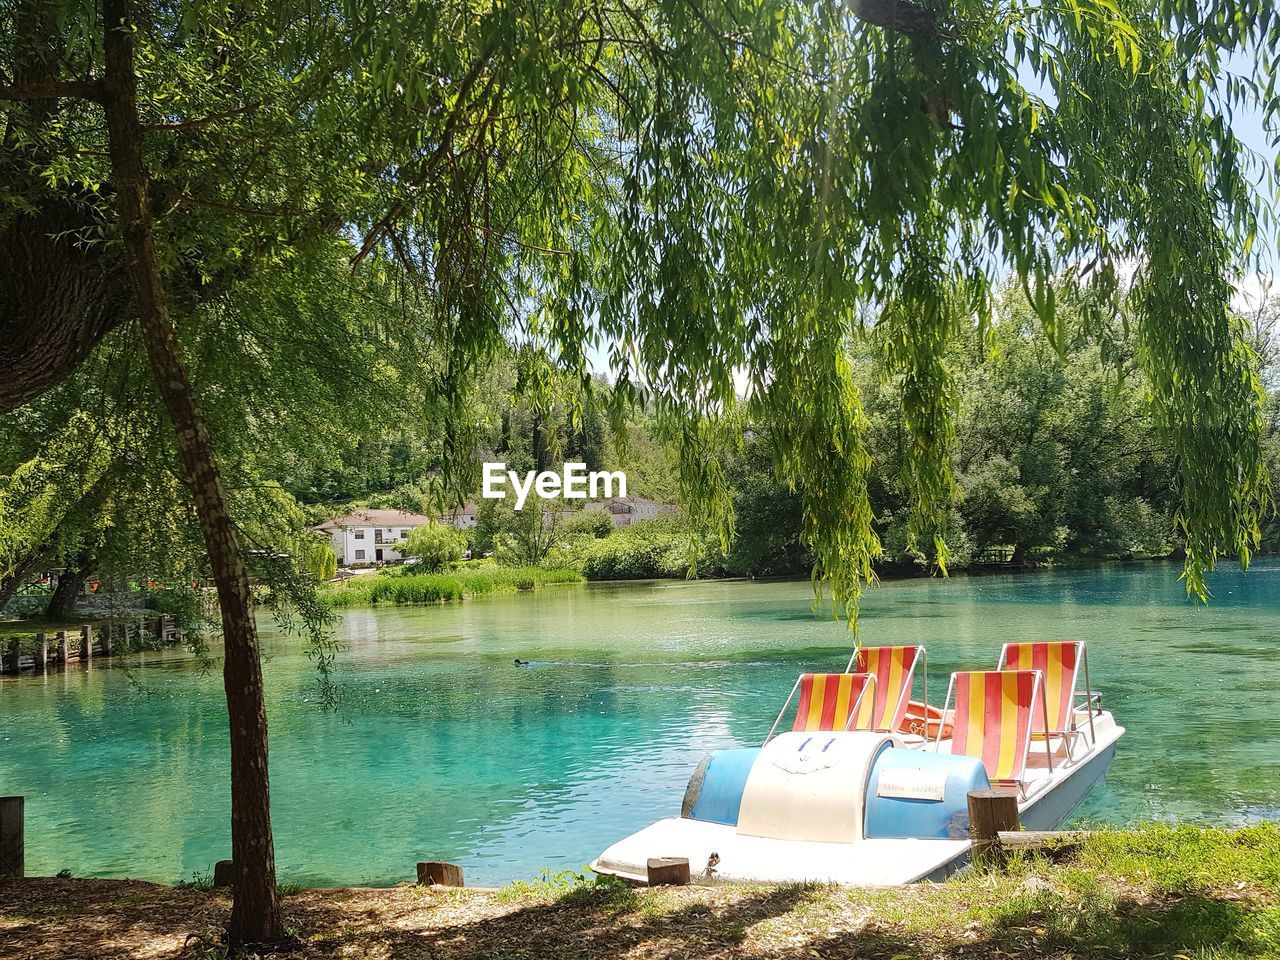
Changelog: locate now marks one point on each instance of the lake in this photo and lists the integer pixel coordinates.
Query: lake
(445, 749)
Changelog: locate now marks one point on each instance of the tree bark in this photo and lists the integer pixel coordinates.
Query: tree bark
(256, 916)
(902, 16)
(58, 295)
(62, 605)
(58, 299)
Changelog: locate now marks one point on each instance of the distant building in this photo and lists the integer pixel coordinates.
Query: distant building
(627, 510)
(370, 536)
(463, 517)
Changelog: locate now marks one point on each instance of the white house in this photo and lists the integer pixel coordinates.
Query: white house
(627, 510)
(463, 517)
(370, 536)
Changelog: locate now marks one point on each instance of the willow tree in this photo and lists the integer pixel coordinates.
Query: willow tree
(705, 191)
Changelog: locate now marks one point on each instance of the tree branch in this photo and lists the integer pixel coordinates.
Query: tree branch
(380, 228)
(197, 122)
(902, 16)
(54, 89)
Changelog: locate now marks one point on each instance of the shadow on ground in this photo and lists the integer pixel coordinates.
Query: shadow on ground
(46, 919)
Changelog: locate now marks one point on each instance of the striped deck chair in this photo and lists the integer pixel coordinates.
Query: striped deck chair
(1060, 662)
(828, 701)
(993, 721)
(894, 669)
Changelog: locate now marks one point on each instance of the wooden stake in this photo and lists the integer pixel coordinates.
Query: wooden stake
(668, 871)
(61, 637)
(1051, 843)
(436, 871)
(12, 851)
(41, 662)
(11, 658)
(86, 642)
(990, 811)
(105, 634)
(224, 874)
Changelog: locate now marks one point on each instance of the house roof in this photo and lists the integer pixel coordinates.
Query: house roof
(467, 509)
(627, 504)
(375, 518)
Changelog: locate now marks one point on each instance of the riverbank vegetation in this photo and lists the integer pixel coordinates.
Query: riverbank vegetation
(1057, 458)
(403, 586)
(1155, 892)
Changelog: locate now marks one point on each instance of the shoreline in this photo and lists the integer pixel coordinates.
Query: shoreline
(1156, 891)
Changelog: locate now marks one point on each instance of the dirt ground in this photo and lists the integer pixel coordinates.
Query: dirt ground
(1033, 909)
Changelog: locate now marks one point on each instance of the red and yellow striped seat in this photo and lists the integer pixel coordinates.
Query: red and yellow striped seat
(828, 701)
(993, 720)
(1059, 661)
(894, 669)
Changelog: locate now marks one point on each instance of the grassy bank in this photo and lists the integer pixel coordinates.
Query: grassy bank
(400, 587)
(1156, 892)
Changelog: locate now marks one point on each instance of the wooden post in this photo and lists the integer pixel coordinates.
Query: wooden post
(990, 811)
(1053, 844)
(159, 630)
(445, 874)
(105, 635)
(668, 871)
(12, 853)
(224, 874)
(61, 637)
(86, 642)
(11, 657)
(41, 661)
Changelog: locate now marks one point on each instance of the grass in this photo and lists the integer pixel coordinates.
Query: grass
(401, 587)
(1169, 892)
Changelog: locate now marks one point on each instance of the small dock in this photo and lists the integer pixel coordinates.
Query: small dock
(43, 650)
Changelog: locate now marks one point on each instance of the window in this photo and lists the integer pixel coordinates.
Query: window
(377, 535)
(359, 554)
(359, 534)
(403, 534)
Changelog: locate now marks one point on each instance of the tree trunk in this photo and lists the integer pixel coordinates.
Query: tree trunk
(58, 295)
(256, 917)
(62, 605)
(12, 581)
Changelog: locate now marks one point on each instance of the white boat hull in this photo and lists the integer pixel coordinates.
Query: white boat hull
(723, 852)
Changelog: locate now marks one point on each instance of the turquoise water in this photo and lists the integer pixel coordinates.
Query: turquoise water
(444, 749)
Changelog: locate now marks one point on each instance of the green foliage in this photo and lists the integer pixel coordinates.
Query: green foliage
(768, 520)
(405, 587)
(198, 881)
(316, 558)
(643, 550)
(50, 502)
(435, 545)
(593, 523)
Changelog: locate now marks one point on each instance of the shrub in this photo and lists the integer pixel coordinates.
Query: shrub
(647, 549)
(435, 545)
(406, 587)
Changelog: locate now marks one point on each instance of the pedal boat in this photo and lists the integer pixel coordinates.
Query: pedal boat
(835, 800)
